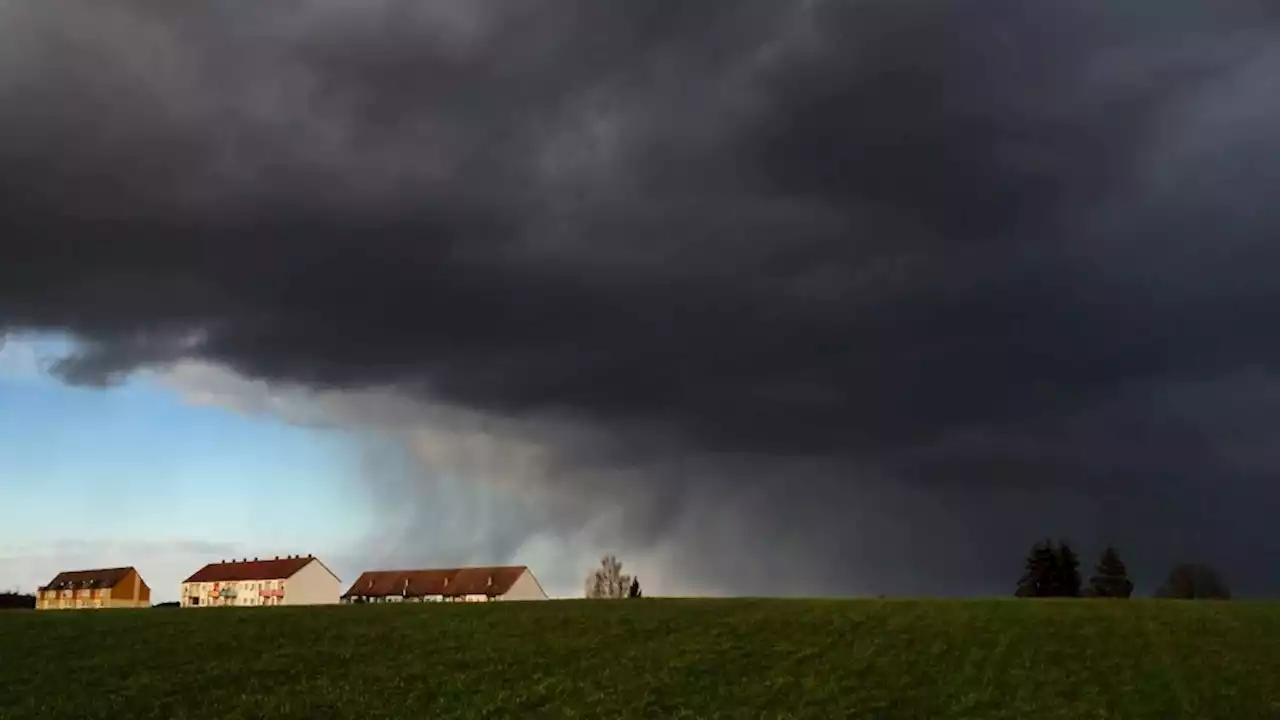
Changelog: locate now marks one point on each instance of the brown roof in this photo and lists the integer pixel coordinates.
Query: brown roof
(490, 581)
(255, 569)
(81, 579)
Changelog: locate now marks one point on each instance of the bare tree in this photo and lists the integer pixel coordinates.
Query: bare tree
(1194, 581)
(607, 581)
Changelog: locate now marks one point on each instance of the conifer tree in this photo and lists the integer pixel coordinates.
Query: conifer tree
(1052, 570)
(1111, 577)
(1035, 579)
(1066, 581)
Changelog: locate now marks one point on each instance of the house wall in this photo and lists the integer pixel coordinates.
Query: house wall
(312, 585)
(196, 591)
(47, 600)
(247, 593)
(525, 588)
(253, 593)
(85, 600)
(131, 591)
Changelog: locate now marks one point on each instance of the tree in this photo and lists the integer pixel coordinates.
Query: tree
(1194, 581)
(1033, 581)
(635, 588)
(15, 600)
(1066, 576)
(607, 581)
(1052, 570)
(1111, 578)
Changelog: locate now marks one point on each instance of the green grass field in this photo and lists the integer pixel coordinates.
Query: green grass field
(650, 658)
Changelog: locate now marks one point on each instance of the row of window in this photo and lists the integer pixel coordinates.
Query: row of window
(247, 586)
(63, 604)
(54, 594)
(419, 599)
(223, 601)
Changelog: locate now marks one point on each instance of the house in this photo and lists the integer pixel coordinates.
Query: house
(289, 580)
(476, 584)
(94, 589)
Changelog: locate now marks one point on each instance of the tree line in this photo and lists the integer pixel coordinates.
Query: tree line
(14, 600)
(1052, 569)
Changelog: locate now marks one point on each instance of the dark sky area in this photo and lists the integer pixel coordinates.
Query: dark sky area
(875, 292)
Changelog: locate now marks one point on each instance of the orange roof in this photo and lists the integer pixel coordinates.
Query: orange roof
(490, 581)
(254, 569)
(80, 579)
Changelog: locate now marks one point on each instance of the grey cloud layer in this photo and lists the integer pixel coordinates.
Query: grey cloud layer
(887, 289)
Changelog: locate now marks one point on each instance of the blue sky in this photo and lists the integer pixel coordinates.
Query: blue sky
(121, 475)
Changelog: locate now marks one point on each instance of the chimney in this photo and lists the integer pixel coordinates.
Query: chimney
(255, 559)
(277, 557)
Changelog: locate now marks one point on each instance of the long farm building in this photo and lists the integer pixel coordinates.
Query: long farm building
(476, 584)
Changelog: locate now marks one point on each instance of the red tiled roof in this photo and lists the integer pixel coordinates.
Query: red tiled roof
(490, 581)
(78, 579)
(255, 569)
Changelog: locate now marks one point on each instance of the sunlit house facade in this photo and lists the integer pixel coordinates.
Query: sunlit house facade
(94, 590)
(289, 580)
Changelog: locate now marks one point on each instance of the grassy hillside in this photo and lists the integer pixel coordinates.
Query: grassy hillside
(650, 658)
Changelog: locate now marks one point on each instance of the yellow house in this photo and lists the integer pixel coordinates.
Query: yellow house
(94, 589)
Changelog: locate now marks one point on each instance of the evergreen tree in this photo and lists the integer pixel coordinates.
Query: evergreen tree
(1066, 580)
(635, 588)
(1052, 570)
(1032, 583)
(1111, 578)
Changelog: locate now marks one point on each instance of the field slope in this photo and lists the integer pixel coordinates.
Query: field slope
(650, 658)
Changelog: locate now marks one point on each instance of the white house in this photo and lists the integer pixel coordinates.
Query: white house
(290, 580)
(476, 584)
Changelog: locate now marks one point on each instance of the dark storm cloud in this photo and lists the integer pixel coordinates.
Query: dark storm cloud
(877, 291)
